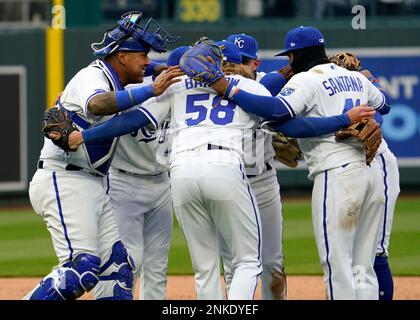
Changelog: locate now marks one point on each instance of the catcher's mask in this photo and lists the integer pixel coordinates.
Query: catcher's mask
(129, 35)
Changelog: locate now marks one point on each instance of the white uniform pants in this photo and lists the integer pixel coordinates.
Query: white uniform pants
(142, 208)
(211, 194)
(267, 192)
(347, 207)
(391, 188)
(77, 212)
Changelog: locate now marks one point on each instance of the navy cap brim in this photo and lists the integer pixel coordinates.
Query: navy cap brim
(284, 53)
(248, 56)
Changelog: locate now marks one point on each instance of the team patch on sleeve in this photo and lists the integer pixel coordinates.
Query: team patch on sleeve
(287, 91)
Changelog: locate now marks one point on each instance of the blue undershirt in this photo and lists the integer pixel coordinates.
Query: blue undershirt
(131, 97)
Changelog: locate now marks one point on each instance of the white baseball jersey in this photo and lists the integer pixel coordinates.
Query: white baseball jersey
(200, 117)
(259, 76)
(333, 88)
(88, 82)
(143, 151)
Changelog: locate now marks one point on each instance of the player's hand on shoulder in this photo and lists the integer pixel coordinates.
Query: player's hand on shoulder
(165, 79)
(159, 68)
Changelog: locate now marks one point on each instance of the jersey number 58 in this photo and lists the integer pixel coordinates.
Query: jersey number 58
(222, 111)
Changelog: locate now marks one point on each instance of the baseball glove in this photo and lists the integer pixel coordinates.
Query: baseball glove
(368, 132)
(202, 62)
(57, 122)
(287, 150)
(346, 60)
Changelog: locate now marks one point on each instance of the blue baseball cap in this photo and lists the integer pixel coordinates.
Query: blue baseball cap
(230, 52)
(302, 37)
(175, 55)
(247, 45)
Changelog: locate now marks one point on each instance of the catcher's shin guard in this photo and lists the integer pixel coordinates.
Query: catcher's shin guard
(279, 285)
(119, 268)
(70, 281)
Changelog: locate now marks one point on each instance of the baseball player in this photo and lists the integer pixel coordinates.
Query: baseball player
(387, 163)
(347, 198)
(67, 190)
(248, 47)
(210, 191)
(138, 185)
(267, 191)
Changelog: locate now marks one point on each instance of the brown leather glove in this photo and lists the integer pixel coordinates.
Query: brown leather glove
(346, 60)
(287, 150)
(368, 132)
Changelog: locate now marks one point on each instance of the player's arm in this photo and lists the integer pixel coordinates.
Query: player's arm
(268, 107)
(307, 127)
(150, 113)
(112, 102)
(274, 82)
(117, 126)
(295, 97)
(377, 95)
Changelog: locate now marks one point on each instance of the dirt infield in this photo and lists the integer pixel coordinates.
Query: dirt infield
(182, 288)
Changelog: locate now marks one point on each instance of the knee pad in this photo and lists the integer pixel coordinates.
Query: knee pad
(122, 271)
(87, 266)
(70, 281)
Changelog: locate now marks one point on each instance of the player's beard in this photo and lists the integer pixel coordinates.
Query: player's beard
(306, 58)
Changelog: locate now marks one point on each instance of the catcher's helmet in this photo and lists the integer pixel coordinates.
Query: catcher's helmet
(128, 35)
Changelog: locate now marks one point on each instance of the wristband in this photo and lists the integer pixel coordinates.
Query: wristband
(129, 98)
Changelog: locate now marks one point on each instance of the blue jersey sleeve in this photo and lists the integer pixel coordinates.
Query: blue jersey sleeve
(266, 107)
(274, 82)
(117, 126)
(378, 117)
(308, 127)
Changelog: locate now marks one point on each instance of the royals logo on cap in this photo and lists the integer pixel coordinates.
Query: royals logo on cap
(247, 45)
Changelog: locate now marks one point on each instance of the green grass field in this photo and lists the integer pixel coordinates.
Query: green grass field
(26, 249)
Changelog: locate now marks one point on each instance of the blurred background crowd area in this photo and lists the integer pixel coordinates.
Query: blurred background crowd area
(93, 12)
